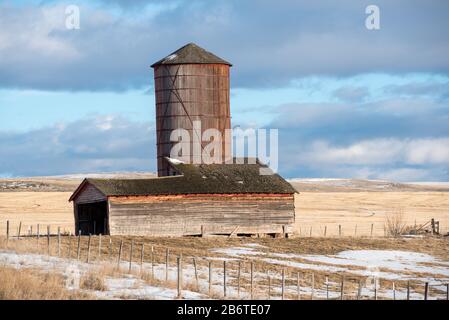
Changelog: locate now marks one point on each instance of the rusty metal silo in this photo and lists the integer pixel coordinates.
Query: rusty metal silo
(191, 84)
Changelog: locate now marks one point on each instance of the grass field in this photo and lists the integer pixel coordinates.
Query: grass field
(316, 210)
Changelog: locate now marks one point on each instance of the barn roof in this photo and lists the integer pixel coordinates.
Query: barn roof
(197, 179)
(191, 54)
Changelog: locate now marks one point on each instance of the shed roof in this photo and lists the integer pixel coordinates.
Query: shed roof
(191, 54)
(197, 179)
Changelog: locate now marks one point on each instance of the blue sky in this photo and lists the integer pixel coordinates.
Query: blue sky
(348, 102)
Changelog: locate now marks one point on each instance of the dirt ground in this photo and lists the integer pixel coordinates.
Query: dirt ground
(316, 212)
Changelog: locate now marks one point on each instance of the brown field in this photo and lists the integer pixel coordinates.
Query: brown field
(315, 210)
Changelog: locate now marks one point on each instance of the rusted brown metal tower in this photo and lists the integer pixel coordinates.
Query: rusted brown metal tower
(191, 84)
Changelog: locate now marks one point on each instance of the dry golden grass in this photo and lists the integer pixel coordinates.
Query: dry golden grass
(32, 285)
(357, 211)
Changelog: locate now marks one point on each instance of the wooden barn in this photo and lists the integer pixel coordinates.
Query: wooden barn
(201, 199)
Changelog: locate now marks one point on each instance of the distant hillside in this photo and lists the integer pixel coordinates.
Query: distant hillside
(354, 185)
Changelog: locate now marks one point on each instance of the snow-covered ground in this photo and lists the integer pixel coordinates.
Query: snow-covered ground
(371, 264)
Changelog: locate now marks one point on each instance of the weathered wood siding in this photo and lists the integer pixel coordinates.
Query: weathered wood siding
(185, 214)
(89, 194)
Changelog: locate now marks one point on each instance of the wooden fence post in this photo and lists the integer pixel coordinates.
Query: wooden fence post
(325, 231)
(38, 235)
(394, 292)
(131, 256)
(283, 284)
(48, 239)
(408, 290)
(20, 228)
(310, 234)
(110, 247)
(119, 254)
(167, 255)
(7, 232)
(339, 230)
(238, 278)
(375, 288)
(342, 288)
(79, 246)
(447, 291)
(196, 274)
(59, 241)
(252, 279)
(99, 246)
(359, 290)
(142, 253)
(298, 291)
(224, 278)
(327, 288)
(179, 282)
(88, 249)
(152, 262)
(426, 291)
(69, 254)
(355, 231)
(372, 226)
(210, 277)
(31, 230)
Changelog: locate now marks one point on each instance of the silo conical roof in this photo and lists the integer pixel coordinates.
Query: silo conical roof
(191, 54)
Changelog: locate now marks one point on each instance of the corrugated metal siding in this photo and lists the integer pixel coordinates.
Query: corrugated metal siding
(187, 93)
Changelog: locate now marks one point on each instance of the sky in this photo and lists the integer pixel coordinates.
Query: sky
(349, 102)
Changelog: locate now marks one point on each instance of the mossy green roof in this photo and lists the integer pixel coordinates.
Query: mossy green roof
(198, 179)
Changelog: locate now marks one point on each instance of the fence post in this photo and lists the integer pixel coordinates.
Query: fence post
(283, 284)
(167, 255)
(131, 256)
(152, 262)
(342, 287)
(99, 246)
(196, 274)
(325, 231)
(372, 226)
(310, 234)
(339, 230)
(110, 247)
(48, 239)
(394, 292)
(426, 291)
(210, 277)
(327, 288)
(70, 246)
(18, 232)
(38, 235)
(59, 241)
(238, 279)
(252, 279)
(119, 254)
(7, 232)
(31, 230)
(88, 249)
(298, 291)
(375, 288)
(408, 290)
(447, 291)
(79, 246)
(224, 278)
(179, 282)
(355, 231)
(359, 290)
